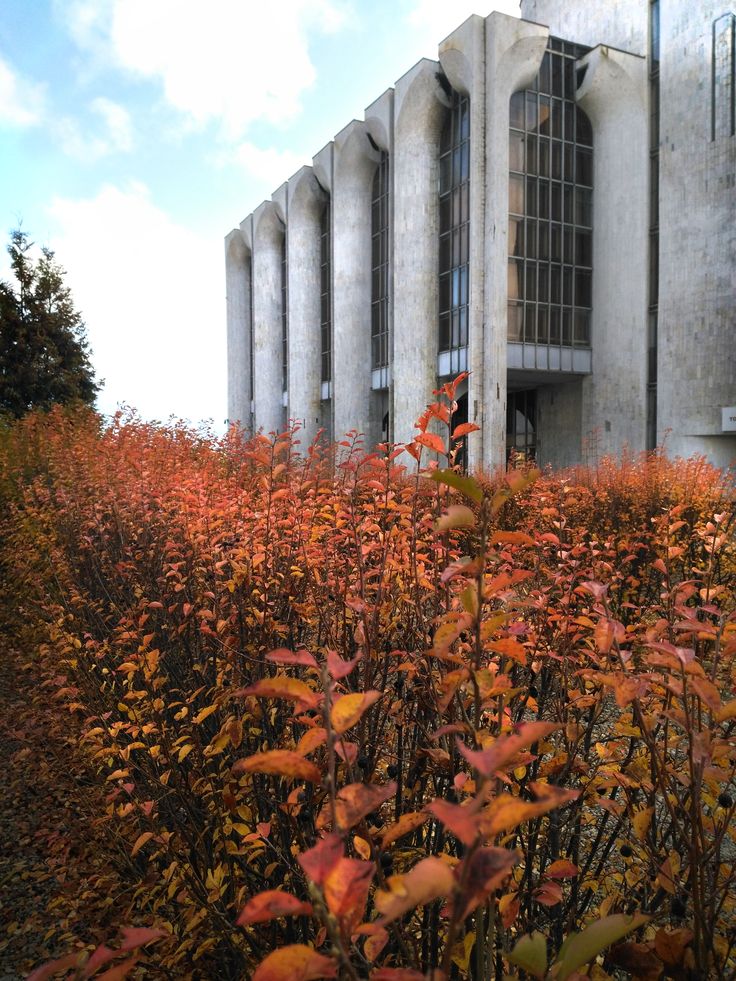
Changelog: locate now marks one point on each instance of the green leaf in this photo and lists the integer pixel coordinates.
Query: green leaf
(530, 954)
(466, 485)
(580, 948)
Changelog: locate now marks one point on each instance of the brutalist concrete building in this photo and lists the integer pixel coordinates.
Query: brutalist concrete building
(551, 205)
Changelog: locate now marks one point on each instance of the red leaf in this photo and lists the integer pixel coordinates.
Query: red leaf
(356, 800)
(318, 861)
(463, 429)
(505, 748)
(346, 889)
(138, 936)
(51, 968)
(488, 869)
(337, 668)
(284, 656)
(271, 904)
(120, 971)
(548, 894)
(460, 820)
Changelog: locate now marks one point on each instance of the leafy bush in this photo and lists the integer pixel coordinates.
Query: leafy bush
(360, 721)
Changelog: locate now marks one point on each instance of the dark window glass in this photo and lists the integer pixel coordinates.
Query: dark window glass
(380, 249)
(550, 184)
(325, 293)
(454, 193)
(521, 424)
(284, 316)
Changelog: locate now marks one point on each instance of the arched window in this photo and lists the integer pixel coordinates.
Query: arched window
(454, 192)
(325, 301)
(550, 207)
(380, 275)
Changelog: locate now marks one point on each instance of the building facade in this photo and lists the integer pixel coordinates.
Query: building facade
(550, 205)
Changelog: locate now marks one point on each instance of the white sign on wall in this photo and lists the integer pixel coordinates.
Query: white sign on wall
(728, 419)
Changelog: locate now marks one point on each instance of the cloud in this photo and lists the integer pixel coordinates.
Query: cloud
(228, 61)
(152, 295)
(116, 136)
(264, 163)
(21, 101)
(433, 20)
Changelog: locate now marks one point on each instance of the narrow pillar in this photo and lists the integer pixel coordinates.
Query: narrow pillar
(268, 235)
(419, 113)
(514, 52)
(613, 95)
(355, 161)
(306, 199)
(238, 307)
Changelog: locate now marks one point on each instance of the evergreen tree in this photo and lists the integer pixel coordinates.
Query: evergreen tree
(44, 356)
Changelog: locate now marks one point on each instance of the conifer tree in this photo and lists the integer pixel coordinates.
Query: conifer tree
(44, 355)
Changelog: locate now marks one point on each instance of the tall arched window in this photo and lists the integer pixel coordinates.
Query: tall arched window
(379, 275)
(550, 207)
(454, 285)
(325, 294)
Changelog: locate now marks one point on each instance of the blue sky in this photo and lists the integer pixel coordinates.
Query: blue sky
(134, 134)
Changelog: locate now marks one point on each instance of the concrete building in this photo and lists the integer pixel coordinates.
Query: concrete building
(551, 204)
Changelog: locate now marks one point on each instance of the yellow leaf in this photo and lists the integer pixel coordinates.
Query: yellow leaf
(201, 716)
(140, 842)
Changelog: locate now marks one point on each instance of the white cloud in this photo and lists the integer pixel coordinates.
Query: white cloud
(231, 61)
(264, 163)
(116, 135)
(152, 295)
(433, 20)
(21, 101)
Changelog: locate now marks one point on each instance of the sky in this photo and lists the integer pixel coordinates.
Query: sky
(134, 134)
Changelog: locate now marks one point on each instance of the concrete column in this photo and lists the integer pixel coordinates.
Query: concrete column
(514, 52)
(237, 302)
(355, 162)
(306, 199)
(420, 108)
(268, 235)
(614, 96)
(462, 57)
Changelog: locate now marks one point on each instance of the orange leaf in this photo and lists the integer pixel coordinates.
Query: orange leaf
(428, 880)
(140, 842)
(562, 869)
(270, 904)
(346, 887)
(456, 516)
(282, 687)
(280, 762)
(506, 812)
(284, 656)
(433, 442)
(296, 962)
(348, 709)
(510, 538)
(356, 800)
(311, 739)
(397, 974)
(463, 429)
(505, 748)
(405, 825)
(487, 870)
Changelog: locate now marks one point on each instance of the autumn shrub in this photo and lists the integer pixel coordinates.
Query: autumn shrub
(364, 720)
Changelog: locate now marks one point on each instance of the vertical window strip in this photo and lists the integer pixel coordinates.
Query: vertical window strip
(380, 273)
(325, 298)
(550, 276)
(653, 318)
(454, 200)
(521, 423)
(723, 76)
(284, 316)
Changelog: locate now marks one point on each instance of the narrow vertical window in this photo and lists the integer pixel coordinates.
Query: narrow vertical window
(284, 325)
(454, 194)
(723, 76)
(550, 274)
(325, 301)
(379, 275)
(653, 319)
